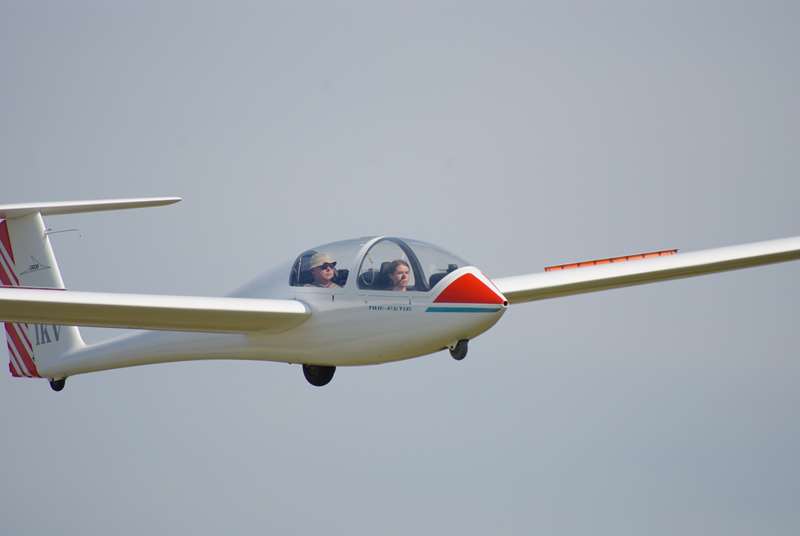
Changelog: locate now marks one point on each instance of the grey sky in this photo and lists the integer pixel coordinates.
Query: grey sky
(514, 134)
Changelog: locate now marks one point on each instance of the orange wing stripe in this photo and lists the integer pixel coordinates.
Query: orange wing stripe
(625, 258)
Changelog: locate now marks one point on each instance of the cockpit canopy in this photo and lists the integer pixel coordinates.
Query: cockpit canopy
(382, 263)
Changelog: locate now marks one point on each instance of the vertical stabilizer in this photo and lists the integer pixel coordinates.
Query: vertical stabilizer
(27, 260)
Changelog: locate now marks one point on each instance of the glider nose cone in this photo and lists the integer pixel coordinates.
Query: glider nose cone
(468, 303)
(470, 286)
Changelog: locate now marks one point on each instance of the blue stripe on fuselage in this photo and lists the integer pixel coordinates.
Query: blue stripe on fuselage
(435, 309)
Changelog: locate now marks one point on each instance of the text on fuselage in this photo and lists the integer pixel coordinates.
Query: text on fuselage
(391, 308)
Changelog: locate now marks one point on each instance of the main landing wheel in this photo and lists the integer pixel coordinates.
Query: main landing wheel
(58, 385)
(318, 375)
(459, 351)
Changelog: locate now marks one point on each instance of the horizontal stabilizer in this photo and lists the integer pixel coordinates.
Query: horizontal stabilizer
(71, 207)
(565, 282)
(146, 311)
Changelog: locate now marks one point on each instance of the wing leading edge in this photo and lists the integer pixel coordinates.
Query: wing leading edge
(555, 284)
(146, 311)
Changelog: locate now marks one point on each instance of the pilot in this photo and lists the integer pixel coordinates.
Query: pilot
(399, 274)
(323, 270)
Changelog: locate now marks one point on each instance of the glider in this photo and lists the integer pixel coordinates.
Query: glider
(356, 302)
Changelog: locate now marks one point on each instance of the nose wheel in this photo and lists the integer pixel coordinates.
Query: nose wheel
(459, 350)
(58, 385)
(318, 375)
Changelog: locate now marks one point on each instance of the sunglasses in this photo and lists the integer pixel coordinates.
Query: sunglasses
(331, 265)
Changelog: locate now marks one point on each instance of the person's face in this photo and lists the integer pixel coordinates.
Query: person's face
(400, 276)
(323, 274)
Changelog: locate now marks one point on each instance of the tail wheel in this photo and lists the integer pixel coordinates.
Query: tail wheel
(318, 375)
(58, 385)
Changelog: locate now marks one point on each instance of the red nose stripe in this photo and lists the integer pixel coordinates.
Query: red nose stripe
(468, 289)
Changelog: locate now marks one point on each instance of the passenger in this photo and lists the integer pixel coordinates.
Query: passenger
(323, 270)
(399, 274)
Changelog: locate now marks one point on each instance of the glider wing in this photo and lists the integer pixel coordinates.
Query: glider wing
(146, 311)
(591, 276)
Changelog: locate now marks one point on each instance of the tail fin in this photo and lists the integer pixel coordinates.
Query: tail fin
(27, 260)
(20, 349)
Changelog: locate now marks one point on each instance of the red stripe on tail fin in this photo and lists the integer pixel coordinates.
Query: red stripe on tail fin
(9, 278)
(5, 239)
(24, 332)
(13, 359)
(6, 273)
(4, 278)
(27, 359)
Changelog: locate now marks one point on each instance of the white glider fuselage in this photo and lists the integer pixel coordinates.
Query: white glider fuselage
(347, 326)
